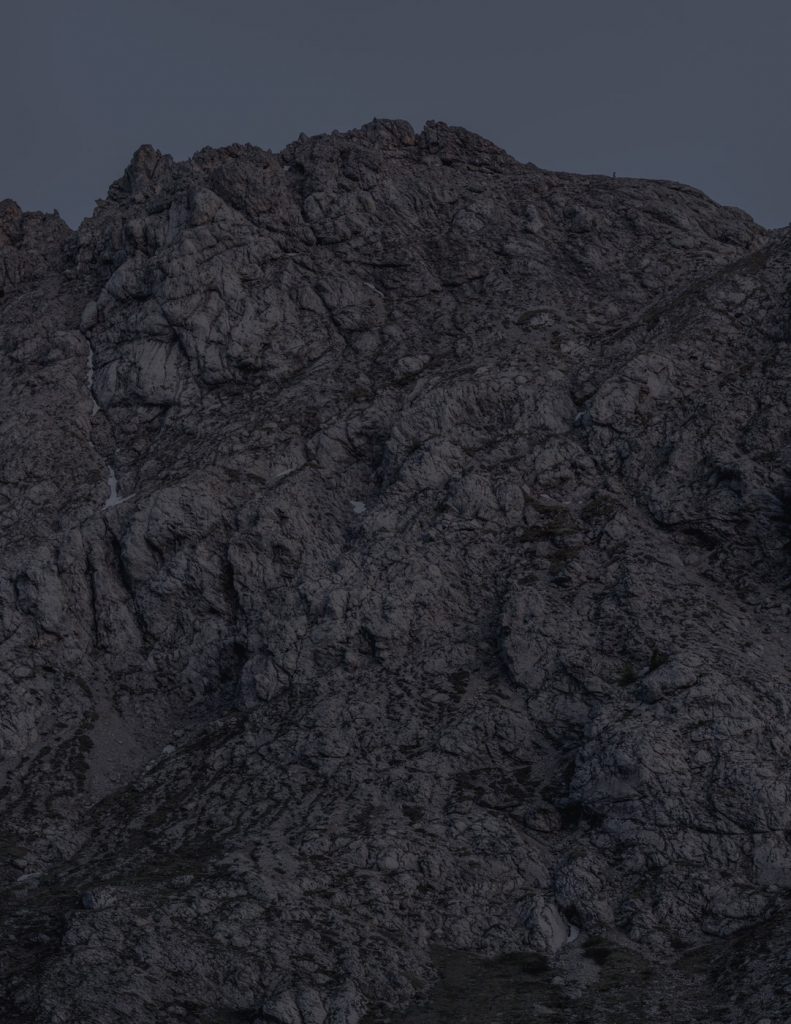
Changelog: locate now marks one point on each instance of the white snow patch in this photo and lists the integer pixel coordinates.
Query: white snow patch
(112, 483)
(115, 497)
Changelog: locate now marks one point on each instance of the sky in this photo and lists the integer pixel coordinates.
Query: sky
(694, 91)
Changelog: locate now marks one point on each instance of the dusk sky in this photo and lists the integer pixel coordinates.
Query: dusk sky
(695, 91)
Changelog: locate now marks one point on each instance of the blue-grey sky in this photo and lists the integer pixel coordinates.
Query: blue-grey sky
(692, 90)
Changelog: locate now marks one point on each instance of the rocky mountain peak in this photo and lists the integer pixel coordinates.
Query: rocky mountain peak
(10, 223)
(145, 168)
(393, 615)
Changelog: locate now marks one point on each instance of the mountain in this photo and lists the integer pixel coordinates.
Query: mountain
(394, 612)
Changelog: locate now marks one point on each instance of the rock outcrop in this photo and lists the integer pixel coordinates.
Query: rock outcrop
(394, 593)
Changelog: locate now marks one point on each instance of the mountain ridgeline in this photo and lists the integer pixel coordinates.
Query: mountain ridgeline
(394, 596)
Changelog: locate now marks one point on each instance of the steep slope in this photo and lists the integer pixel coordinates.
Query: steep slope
(395, 553)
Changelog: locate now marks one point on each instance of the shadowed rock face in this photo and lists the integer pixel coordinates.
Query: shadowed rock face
(393, 606)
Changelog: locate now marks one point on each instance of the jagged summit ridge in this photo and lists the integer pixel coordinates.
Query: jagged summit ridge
(394, 560)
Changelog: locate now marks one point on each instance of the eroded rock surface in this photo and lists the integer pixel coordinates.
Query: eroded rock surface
(394, 575)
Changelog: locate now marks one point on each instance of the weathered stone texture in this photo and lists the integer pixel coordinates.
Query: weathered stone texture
(394, 559)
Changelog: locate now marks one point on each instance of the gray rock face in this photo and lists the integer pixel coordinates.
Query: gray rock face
(394, 570)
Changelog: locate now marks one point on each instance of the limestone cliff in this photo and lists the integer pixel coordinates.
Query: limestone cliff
(394, 592)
